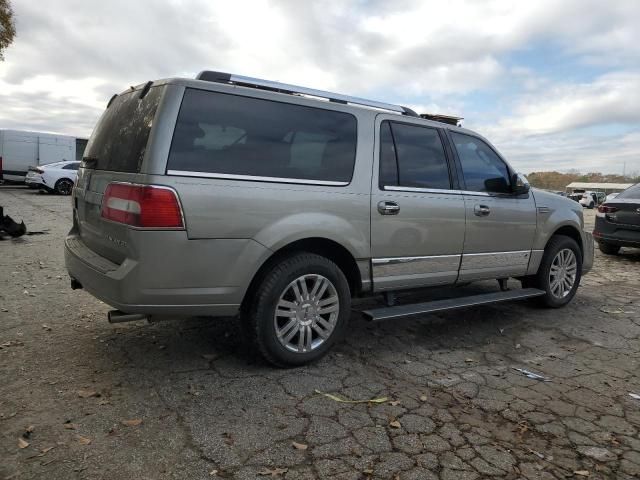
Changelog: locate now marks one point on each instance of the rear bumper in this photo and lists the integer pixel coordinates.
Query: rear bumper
(618, 240)
(194, 279)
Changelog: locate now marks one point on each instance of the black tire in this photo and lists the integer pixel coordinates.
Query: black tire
(542, 279)
(608, 249)
(591, 205)
(64, 186)
(259, 315)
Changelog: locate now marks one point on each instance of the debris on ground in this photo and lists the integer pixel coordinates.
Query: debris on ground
(532, 375)
(273, 472)
(598, 453)
(343, 400)
(635, 396)
(8, 226)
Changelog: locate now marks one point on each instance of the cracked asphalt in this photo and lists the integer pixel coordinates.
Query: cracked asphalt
(184, 399)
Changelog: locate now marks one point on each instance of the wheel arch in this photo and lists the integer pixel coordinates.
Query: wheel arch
(568, 231)
(321, 246)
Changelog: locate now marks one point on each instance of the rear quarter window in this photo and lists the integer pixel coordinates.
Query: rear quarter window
(222, 134)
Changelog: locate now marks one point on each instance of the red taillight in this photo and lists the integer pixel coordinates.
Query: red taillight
(144, 206)
(607, 209)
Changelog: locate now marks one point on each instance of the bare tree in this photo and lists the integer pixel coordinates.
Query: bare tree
(7, 26)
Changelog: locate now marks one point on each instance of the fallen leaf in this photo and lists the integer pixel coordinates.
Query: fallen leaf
(133, 422)
(469, 360)
(213, 472)
(582, 473)
(635, 396)
(368, 471)
(83, 440)
(423, 398)
(87, 393)
(46, 327)
(611, 309)
(274, 472)
(394, 403)
(342, 400)
(70, 426)
(395, 424)
(299, 446)
(45, 450)
(22, 443)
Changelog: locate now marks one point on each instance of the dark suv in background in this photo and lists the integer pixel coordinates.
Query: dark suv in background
(618, 222)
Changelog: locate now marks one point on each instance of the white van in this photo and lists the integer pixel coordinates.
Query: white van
(20, 150)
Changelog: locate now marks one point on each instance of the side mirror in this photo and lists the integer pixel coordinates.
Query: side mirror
(520, 184)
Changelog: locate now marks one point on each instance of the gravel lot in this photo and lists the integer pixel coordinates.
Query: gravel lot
(183, 399)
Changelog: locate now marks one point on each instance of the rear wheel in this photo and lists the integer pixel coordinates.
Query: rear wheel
(300, 309)
(63, 186)
(608, 249)
(559, 272)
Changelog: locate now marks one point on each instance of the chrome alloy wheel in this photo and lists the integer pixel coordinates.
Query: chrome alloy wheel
(562, 274)
(306, 313)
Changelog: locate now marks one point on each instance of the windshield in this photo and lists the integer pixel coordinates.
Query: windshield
(119, 140)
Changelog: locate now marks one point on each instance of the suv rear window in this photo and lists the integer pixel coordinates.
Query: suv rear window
(119, 140)
(224, 134)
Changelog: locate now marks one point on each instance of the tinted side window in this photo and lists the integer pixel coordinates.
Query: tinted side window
(421, 159)
(72, 166)
(228, 134)
(482, 169)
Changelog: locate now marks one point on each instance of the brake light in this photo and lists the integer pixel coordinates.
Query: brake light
(607, 209)
(143, 206)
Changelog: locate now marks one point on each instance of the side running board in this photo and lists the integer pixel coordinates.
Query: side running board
(397, 311)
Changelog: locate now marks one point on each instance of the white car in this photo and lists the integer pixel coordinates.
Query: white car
(611, 196)
(56, 177)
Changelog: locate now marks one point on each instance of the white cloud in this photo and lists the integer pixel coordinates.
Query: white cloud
(70, 56)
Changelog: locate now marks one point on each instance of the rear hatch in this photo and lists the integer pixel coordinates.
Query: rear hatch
(114, 154)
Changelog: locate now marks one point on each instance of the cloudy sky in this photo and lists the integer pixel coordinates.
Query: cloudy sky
(555, 85)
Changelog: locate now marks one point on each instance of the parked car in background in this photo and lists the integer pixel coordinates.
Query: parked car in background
(20, 149)
(618, 222)
(59, 177)
(587, 198)
(227, 195)
(611, 196)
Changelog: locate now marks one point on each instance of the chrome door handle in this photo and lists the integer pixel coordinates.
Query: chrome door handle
(481, 210)
(388, 208)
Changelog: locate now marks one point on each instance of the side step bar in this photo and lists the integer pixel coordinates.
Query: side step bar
(450, 304)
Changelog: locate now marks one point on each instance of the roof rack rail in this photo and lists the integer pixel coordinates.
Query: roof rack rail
(449, 119)
(221, 77)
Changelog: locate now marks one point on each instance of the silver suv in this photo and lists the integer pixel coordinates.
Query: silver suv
(228, 195)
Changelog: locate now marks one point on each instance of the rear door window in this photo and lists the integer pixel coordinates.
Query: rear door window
(119, 140)
(222, 134)
(412, 156)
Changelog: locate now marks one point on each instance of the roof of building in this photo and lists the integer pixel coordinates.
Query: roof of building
(601, 186)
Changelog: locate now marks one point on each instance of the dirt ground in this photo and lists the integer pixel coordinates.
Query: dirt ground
(80, 398)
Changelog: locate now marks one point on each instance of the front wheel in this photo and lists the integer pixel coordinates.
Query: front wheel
(559, 272)
(300, 309)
